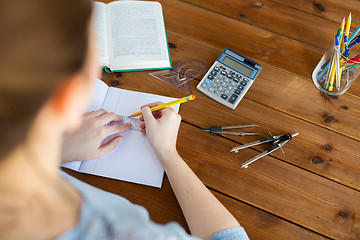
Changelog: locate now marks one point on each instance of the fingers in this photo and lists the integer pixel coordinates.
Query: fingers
(118, 128)
(94, 114)
(142, 127)
(147, 114)
(108, 117)
(109, 146)
(170, 115)
(166, 111)
(156, 114)
(103, 116)
(153, 104)
(162, 114)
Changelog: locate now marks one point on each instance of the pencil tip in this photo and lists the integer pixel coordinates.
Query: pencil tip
(343, 22)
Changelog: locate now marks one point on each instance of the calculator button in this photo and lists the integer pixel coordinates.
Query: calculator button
(214, 73)
(217, 80)
(243, 83)
(204, 85)
(230, 87)
(211, 89)
(227, 92)
(238, 75)
(246, 80)
(221, 76)
(216, 69)
(220, 88)
(207, 81)
(217, 93)
(233, 98)
(237, 91)
(222, 67)
(223, 84)
(232, 83)
(223, 72)
(236, 79)
(232, 73)
(229, 76)
(226, 80)
(214, 85)
(223, 96)
(211, 77)
(240, 87)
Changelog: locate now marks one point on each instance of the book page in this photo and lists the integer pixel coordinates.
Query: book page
(133, 159)
(137, 38)
(100, 32)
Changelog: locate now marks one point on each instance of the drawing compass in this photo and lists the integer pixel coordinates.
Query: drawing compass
(277, 141)
(219, 130)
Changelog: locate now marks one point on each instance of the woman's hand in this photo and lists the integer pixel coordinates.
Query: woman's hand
(161, 128)
(84, 143)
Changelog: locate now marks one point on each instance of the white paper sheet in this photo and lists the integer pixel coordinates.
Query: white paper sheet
(133, 160)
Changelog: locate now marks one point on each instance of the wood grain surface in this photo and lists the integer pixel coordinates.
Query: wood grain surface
(312, 191)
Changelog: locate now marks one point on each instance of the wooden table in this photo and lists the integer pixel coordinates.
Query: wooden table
(309, 192)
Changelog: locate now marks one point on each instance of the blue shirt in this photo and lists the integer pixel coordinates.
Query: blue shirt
(108, 216)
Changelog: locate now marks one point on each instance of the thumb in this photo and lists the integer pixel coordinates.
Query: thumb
(147, 114)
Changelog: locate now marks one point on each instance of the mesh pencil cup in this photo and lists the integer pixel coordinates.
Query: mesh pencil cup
(333, 76)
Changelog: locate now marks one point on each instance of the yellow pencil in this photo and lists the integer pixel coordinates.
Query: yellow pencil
(329, 84)
(347, 31)
(165, 105)
(344, 47)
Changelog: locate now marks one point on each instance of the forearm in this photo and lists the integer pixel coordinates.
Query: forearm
(204, 214)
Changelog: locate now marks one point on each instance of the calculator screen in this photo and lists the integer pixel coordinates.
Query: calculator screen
(238, 66)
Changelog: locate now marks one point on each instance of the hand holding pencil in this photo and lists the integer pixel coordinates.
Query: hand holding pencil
(161, 128)
(165, 105)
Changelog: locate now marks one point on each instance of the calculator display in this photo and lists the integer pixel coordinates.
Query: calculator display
(237, 66)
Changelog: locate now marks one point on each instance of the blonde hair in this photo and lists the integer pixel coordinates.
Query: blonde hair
(41, 43)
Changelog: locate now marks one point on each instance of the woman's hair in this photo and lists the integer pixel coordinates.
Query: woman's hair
(41, 43)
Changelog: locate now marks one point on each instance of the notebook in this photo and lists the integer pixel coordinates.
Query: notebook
(133, 160)
(131, 35)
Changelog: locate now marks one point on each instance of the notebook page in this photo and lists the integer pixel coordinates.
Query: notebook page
(96, 103)
(133, 101)
(99, 95)
(109, 104)
(72, 165)
(133, 159)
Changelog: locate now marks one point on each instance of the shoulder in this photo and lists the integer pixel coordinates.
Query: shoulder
(108, 216)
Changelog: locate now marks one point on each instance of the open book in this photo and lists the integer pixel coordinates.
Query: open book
(130, 35)
(133, 160)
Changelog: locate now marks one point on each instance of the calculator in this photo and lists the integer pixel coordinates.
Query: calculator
(229, 78)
